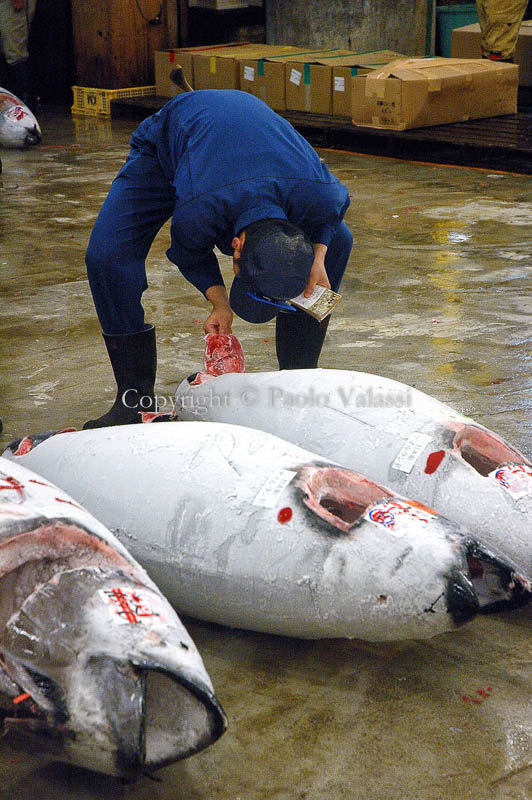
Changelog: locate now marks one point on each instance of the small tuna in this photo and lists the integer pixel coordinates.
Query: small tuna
(18, 126)
(95, 666)
(242, 528)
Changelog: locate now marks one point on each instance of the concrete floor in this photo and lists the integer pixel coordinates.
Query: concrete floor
(437, 295)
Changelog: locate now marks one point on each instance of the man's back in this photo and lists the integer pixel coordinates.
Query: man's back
(218, 137)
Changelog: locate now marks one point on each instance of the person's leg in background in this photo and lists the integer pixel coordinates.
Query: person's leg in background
(139, 202)
(298, 336)
(15, 23)
(500, 21)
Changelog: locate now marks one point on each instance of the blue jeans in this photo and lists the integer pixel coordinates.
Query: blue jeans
(140, 201)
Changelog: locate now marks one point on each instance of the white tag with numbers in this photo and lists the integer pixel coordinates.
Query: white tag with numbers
(277, 482)
(410, 451)
(249, 73)
(339, 84)
(295, 77)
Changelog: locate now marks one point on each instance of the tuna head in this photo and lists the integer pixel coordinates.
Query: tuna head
(103, 680)
(94, 663)
(18, 126)
(410, 544)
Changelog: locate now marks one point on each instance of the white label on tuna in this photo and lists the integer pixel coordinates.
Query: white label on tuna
(396, 515)
(249, 73)
(132, 607)
(295, 77)
(516, 479)
(410, 451)
(339, 84)
(277, 482)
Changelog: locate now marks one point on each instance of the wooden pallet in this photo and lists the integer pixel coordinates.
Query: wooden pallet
(496, 143)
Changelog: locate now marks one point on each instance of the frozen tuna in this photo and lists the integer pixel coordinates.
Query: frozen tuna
(95, 666)
(18, 126)
(394, 434)
(242, 528)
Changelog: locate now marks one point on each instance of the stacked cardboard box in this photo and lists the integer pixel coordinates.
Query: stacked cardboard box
(345, 67)
(465, 43)
(263, 76)
(165, 61)
(307, 81)
(315, 80)
(221, 69)
(377, 88)
(285, 77)
(417, 92)
(212, 67)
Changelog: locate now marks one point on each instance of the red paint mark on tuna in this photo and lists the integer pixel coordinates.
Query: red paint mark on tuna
(21, 698)
(40, 483)
(284, 515)
(68, 502)
(13, 485)
(433, 461)
(124, 609)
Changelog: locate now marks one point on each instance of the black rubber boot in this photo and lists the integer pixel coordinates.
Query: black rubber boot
(299, 339)
(133, 358)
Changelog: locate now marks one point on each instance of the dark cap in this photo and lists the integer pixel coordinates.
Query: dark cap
(275, 262)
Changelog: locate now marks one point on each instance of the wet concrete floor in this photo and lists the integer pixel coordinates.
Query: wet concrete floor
(437, 294)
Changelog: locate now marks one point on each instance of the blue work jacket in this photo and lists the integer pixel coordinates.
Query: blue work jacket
(232, 161)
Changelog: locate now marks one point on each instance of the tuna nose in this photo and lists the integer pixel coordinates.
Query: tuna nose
(181, 718)
(462, 601)
(32, 137)
(153, 715)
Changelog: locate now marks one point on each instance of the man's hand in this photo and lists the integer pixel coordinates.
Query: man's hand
(221, 317)
(318, 273)
(219, 321)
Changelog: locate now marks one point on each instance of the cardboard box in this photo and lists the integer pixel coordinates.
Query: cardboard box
(264, 76)
(219, 69)
(165, 61)
(465, 43)
(307, 81)
(416, 93)
(344, 67)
